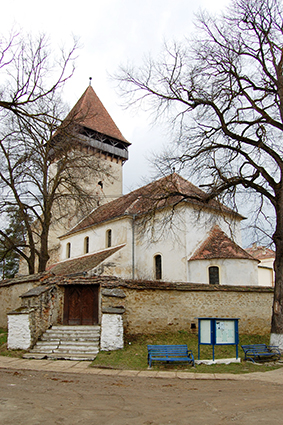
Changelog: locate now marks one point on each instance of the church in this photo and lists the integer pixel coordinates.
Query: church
(162, 231)
(148, 261)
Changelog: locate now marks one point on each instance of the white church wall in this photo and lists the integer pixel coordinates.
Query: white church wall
(231, 271)
(97, 238)
(168, 241)
(177, 242)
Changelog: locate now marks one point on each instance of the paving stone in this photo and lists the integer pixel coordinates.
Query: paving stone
(128, 373)
(162, 374)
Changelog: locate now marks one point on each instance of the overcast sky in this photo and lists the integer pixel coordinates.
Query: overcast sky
(111, 32)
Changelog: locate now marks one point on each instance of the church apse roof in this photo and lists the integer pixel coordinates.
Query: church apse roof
(219, 245)
(168, 191)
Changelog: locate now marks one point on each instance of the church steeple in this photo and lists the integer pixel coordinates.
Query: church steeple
(96, 127)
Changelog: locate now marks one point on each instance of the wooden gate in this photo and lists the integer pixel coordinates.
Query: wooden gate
(81, 305)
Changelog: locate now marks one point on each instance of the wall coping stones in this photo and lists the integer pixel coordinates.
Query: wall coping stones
(113, 310)
(38, 290)
(115, 292)
(21, 310)
(112, 282)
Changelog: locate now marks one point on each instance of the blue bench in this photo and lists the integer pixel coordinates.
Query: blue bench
(169, 353)
(257, 352)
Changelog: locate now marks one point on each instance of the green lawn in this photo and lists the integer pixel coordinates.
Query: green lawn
(134, 354)
(3, 336)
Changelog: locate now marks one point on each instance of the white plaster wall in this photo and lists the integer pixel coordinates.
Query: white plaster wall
(121, 233)
(170, 243)
(112, 333)
(265, 276)
(231, 271)
(186, 231)
(19, 333)
(175, 242)
(113, 185)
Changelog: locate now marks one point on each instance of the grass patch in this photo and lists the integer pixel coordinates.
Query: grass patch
(3, 346)
(134, 354)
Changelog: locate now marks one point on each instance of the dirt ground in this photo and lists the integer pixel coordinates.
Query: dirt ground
(39, 398)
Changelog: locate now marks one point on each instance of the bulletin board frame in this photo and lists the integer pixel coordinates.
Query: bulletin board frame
(218, 331)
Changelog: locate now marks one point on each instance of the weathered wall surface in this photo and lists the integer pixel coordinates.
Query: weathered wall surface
(231, 271)
(45, 304)
(153, 311)
(19, 335)
(10, 292)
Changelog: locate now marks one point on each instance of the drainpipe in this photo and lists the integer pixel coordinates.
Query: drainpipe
(133, 245)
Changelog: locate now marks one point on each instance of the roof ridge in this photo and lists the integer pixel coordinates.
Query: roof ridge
(150, 197)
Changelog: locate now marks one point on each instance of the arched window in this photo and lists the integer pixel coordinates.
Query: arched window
(158, 267)
(108, 238)
(213, 275)
(68, 250)
(86, 245)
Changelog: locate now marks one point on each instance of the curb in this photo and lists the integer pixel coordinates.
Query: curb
(82, 367)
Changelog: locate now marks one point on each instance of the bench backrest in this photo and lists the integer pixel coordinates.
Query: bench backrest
(182, 348)
(256, 347)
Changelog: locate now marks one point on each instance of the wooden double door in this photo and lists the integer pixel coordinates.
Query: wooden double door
(81, 305)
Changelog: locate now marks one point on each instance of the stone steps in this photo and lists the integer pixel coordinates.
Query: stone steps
(67, 342)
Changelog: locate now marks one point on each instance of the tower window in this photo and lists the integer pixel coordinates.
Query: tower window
(68, 250)
(213, 274)
(158, 267)
(108, 238)
(86, 245)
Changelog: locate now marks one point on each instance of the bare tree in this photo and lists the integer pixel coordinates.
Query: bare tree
(44, 171)
(225, 90)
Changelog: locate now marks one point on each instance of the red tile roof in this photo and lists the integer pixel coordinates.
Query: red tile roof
(168, 191)
(84, 263)
(261, 252)
(219, 245)
(90, 112)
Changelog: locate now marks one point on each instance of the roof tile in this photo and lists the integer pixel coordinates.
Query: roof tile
(219, 245)
(167, 191)
(84, 263)
(90, 113)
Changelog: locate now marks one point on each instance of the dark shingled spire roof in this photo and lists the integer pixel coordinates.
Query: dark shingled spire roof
(218, 245)
(90, 113)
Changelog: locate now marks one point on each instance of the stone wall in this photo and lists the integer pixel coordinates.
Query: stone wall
(136, 307)
(177, 307)
(10, 292)
(45, 304)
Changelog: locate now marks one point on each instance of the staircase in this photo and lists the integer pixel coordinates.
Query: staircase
(67, 342)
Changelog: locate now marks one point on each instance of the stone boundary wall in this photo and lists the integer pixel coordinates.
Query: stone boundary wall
(10, 292)
(159, 310)
(45, 306)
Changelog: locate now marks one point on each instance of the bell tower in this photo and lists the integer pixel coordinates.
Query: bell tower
(97, 133)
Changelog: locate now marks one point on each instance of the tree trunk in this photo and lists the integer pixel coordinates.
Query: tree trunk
(276, 337)
(44, 256)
